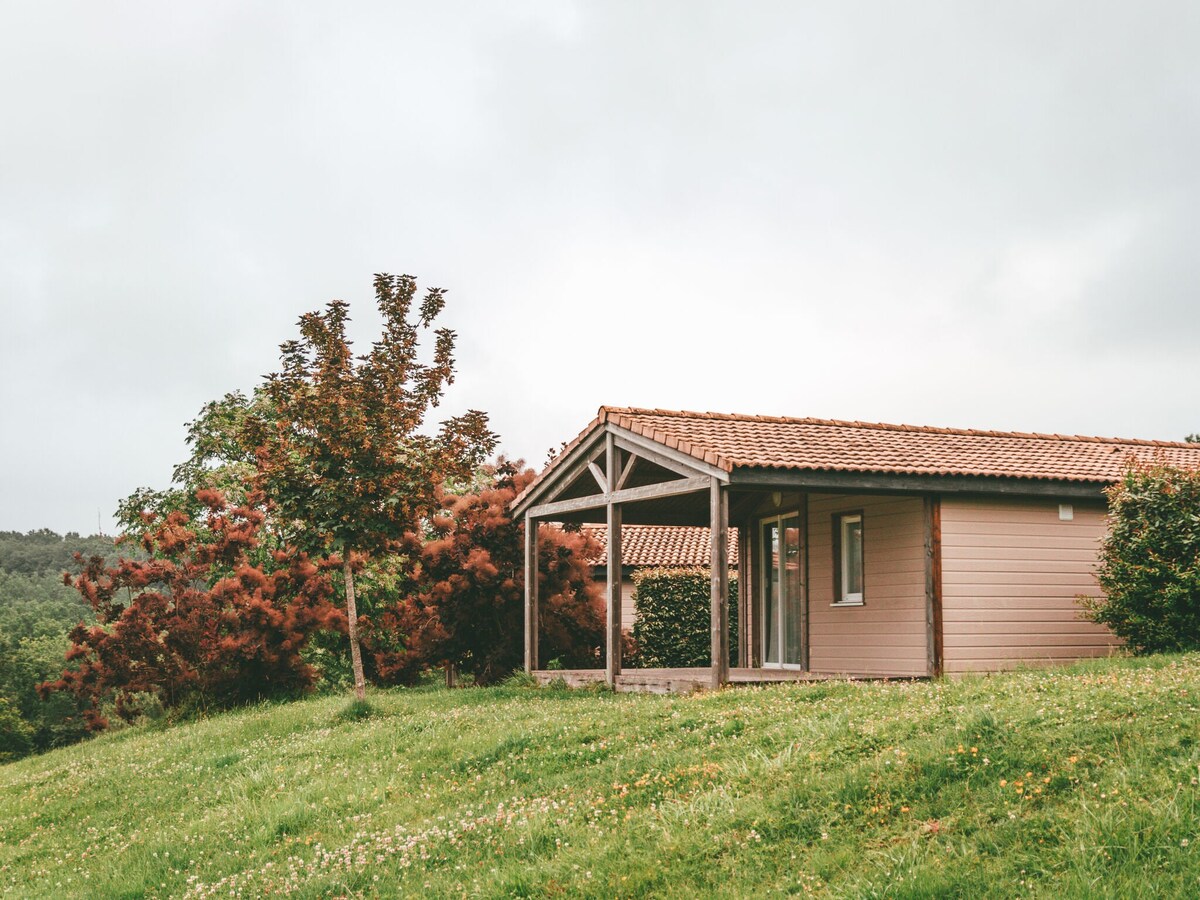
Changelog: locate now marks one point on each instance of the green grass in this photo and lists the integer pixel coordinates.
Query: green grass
(1079, 782)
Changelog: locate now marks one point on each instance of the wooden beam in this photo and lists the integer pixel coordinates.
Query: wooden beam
(558, 481)
(612, 632)
(601, 478)
(744, 592)
(664, 456)
(627, 470)
(719, 581)
(757, 576)
(629, 495)
(886, 483)
(933, 584)
(804, 582)
(531, 593)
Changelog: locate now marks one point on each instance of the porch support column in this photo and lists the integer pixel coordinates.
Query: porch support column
(744, 594)
(612, 631)
(719, 563)
(933, 584)
(531, 593)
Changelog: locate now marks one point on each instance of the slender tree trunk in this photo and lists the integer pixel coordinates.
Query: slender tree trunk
(360, 690)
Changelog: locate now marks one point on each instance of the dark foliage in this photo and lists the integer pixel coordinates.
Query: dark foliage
(44, 551)
(1150, 559)
(673, 621)
(198, 623)
(468, 606)
(37, 612)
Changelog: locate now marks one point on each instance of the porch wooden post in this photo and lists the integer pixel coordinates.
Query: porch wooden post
(744, 595)
(531, 593)
(612, 631)
(933, 584)
(719, 563)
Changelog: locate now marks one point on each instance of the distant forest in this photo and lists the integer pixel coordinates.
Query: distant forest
(37, 613)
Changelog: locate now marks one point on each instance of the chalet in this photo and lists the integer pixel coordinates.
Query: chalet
(865, 550)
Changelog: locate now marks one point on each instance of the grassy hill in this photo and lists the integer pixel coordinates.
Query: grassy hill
(1077, 783)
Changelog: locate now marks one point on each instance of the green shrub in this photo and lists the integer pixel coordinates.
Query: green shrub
(1150, 560)
(672, 623)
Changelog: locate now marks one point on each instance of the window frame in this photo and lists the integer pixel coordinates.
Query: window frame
(840, 560)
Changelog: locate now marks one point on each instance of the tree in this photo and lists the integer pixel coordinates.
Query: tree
(1150, 559)
(338, 446)
(468, 608)
(198, 621)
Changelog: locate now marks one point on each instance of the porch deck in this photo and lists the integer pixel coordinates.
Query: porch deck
(681, 681)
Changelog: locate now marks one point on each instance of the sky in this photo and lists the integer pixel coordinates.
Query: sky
(958, 214)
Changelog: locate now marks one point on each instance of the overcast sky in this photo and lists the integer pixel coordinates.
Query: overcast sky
(967, 214)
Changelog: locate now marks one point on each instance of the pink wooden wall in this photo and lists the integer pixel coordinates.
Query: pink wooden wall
(1011, 570)
(886, 635)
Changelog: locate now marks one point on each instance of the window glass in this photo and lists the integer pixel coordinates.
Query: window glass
(849, 559)
(852, 547)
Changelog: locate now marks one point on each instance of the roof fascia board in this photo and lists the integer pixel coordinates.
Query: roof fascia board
(556, 481)
(661, 454)
(903, 483)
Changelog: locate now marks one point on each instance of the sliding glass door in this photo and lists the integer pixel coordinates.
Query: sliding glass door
(782, 590)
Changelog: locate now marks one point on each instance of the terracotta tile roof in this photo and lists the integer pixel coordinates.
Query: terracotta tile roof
(729, 441)
(661, 545)
(733, 441)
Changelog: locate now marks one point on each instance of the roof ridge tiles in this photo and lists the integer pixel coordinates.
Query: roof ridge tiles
(632, 411)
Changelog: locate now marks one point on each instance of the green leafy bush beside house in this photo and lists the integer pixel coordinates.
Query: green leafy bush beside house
(1150, 559)
(673, 618)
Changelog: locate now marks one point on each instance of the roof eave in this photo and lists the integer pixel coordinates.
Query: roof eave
(904, 482)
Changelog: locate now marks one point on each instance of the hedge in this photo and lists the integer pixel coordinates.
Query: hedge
(672, 625)
(1150, 560)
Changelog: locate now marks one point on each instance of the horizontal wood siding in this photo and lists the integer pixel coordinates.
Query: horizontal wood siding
(886, 635)
(1011, 570)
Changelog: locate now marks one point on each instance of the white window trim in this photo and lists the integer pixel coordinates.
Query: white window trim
(847, 599)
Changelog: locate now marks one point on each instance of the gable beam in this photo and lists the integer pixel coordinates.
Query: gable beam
(629, 495)
(662, 455)
(598, 474)
(559, 481)
(627, 470)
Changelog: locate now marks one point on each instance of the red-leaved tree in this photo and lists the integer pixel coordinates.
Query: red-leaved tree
(468, 606)
(202, 621)
(339, 443)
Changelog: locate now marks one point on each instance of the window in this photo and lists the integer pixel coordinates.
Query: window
(848, 559)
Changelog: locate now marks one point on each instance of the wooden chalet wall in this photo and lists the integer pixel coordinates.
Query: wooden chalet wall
(1011, 572)
(887, 634)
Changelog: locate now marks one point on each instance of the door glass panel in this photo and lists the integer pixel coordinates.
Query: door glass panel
(790, 576)
(770, 619)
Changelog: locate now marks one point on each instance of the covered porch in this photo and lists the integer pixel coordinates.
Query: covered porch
(618, 475)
